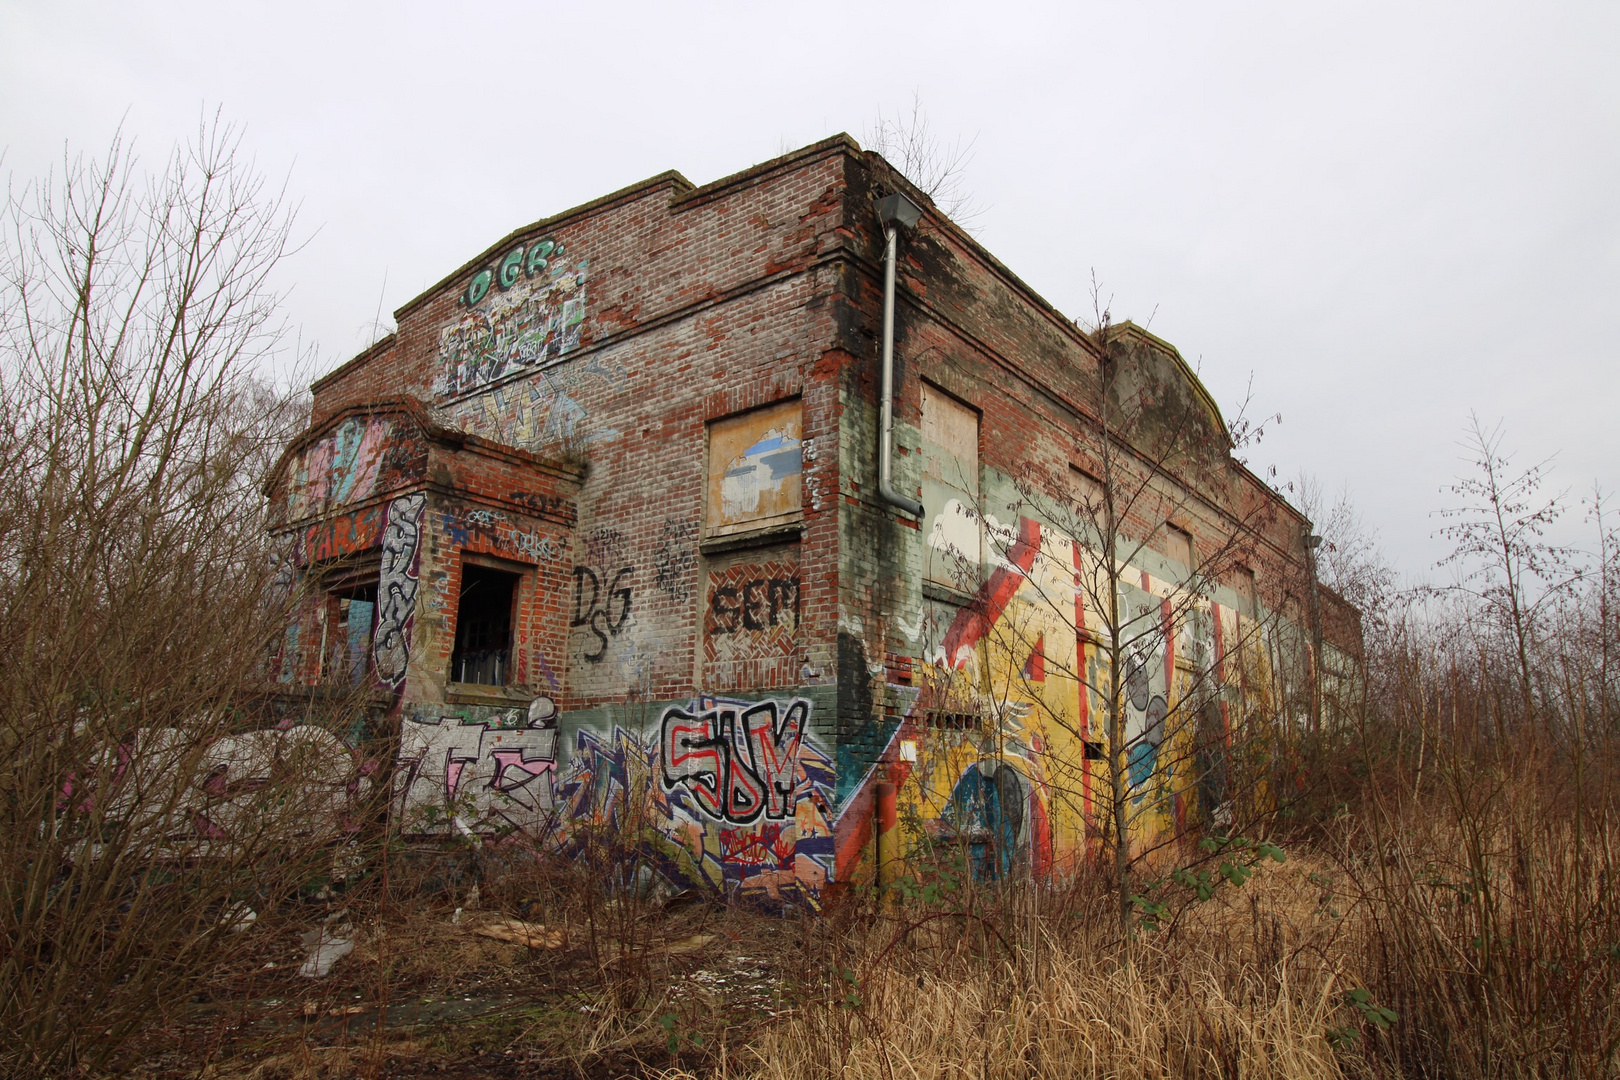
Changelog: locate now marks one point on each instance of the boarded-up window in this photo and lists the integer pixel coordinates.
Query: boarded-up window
(751, 613)
(950, 432)
(755, 464)
(1248, 595)
(1178, 545)
(1086, 491)
(952, 508)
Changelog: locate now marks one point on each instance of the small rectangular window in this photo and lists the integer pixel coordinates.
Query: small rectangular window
(950, 436)
(754, 471)
(1248, 595)
(1178, 545)
(950, 460)
(1086, 499)
(483, 652)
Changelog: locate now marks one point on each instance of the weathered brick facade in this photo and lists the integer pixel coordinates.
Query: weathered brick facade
(656, 414)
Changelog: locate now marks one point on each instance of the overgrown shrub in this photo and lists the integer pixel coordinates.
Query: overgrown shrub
(153, 818)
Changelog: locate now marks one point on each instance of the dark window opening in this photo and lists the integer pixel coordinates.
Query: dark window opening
(483, 626)
(352, 612)
(951, 721)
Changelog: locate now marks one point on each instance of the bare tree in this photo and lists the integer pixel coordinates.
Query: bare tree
(149, 813)
(1349, 559)
(1604, 616)
(938, 168)
(1106, 592)
(1500, 548)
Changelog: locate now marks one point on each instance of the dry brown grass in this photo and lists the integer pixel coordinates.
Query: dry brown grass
(1017, 981)
(1247, 984)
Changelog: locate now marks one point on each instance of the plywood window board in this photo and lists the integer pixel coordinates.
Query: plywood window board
(755, 471)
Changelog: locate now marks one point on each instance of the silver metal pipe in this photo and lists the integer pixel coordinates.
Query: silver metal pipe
(886, 422)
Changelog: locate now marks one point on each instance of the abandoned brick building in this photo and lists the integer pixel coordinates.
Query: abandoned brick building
(607, 518)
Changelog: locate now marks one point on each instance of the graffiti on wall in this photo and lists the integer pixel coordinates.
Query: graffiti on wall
(785, 853)
(330, 771)
(602, 601)
(466, 526)
(751, 624)
(523, 313)
(737, 762)
(342, 467)
(1146, 682)
(675, 560)
(338, 536)
(1002, 752)
(483, 776)
(762, 599)
(396, 588)
(546, 409)
(721, 794)
(314, 770)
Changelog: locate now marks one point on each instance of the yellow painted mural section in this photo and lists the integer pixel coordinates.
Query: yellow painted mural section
(1005, 760)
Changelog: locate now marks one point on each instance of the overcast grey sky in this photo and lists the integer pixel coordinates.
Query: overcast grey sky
(1388, 213)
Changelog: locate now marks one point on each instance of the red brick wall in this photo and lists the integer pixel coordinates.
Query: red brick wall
(967, 324)
(382, 372)
(699, 303)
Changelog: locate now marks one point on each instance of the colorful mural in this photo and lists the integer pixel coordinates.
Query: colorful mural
(524, 313)
(997, 750)
(730, 795)
(1004, 751)
(342, 467)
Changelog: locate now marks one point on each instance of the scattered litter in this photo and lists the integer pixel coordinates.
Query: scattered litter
(271, 966)
(345, 1010)
(312, 1009)
(518, 932)
(326, 947)
(237, 918)
(455, 920)
(682, 897)
(347, 860)
(745, 981)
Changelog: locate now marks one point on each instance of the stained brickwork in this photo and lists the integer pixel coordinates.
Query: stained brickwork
(556, 398)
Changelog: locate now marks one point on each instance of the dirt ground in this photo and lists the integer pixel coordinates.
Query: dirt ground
(457, 992)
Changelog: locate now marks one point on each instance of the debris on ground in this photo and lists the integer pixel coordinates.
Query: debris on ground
(326, 947)
(518, 932)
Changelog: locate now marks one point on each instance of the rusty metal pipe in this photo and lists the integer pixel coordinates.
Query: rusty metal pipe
(886, 818)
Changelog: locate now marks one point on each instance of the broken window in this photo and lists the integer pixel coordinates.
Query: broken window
(754, 470)
(483, 652)
(348, 616)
